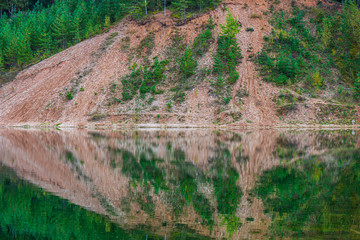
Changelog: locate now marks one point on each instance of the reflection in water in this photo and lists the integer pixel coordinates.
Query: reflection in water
(188, 184)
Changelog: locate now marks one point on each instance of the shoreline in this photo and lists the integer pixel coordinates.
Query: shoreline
(110, 126)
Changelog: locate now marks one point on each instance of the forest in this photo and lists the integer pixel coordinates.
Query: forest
(31, 31)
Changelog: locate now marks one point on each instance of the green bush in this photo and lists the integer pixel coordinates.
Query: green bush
(143, 79)
(202, 42)
(188, 63)
(233, 77)
(231, 28)
(69, 95)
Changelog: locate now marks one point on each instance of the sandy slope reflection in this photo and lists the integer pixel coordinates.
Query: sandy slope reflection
(205, 183)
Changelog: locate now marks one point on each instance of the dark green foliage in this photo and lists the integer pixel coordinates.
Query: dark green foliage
(50, 26)
(204, 40)
(296, 51)
(233, 76)
(306, 48)
(340, 35)
(28, 212)
(190, 75)
(249, 29)
(131, 84)
(69, 95)
(227, 193)
(227, 57)
(228, 53)
(184, 8)
(28, 37)
(317, 199)
(143, 79)
(188, 63)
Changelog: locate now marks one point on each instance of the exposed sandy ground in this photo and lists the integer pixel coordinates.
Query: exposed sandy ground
(37, 95)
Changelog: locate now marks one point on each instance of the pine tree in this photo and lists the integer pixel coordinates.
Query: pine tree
(18, 51)
(46, 42)
(78, 21)
(61, 30)
(181, 6)
(218, 64)
(188, 63)
(231, 28)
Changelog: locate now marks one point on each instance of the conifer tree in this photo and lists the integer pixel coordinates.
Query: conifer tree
(231, 28)
(78, 21)
(188, 63)
(181, 6)
(60, 27)
(46, 42)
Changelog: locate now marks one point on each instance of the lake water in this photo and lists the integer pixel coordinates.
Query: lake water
(179, 184)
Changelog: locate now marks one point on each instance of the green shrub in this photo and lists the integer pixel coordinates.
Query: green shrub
(249, 29)
(317, 79)
(188, 63)
(143, 79)
(227, 100)
(131, 83)
(69, 95)
(226, 59)
(228, 54)
(231, 28)
(202, 42)
(233, 77)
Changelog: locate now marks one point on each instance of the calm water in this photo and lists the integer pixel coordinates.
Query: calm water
(179, 184)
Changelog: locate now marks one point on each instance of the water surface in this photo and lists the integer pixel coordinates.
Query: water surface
(179, 184)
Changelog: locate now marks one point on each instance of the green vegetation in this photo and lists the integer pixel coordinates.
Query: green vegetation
(203, 42)
(143, 79)
(314, 49)
(32, 32)
(227, 58)
(180, 181)
(313, 197)
(28, 212)
(188, 63)
(27, 37)
(189, 75)
(357, 87)
(69, 95)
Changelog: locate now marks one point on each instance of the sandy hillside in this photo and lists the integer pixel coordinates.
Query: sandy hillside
(38, 94)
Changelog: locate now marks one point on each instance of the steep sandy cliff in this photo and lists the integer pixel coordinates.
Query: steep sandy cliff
(38, 94)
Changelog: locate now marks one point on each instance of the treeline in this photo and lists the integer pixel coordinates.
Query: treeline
(30, 36)
(10, 7)
(31, 31)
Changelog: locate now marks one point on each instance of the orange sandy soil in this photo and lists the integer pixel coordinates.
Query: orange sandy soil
(37, 95)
